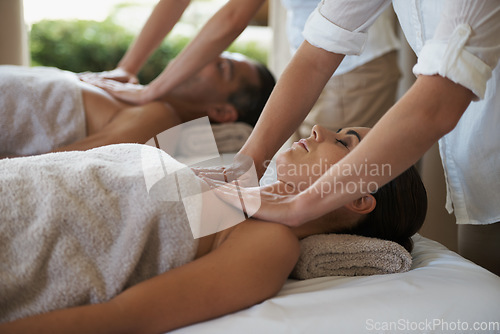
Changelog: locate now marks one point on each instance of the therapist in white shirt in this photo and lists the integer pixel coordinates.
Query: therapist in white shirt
(455, 98)
(364, 86)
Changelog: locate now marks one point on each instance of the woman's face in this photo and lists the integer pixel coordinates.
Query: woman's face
(309, 158)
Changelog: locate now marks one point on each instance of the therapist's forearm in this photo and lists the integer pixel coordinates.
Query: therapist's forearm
(430, 109)
(295, 93)
(161, 21)
(217, 34)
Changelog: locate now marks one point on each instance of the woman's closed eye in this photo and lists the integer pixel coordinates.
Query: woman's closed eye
(343, 143)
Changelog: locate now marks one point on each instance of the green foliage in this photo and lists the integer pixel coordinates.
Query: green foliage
(160, 58)
(250, 49)
(80, 46)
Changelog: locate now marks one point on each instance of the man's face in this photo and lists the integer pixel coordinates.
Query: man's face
(217, 80)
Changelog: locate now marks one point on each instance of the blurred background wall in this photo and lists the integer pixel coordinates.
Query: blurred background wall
(13, 36)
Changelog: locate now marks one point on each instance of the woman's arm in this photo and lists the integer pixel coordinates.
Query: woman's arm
(131, 125)
(250, 266)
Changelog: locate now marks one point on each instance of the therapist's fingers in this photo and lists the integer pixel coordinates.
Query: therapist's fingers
(257, 202)
(215, 173)
(127, 92)
(117, 74)
(246, 199)
(242, 169)
(112, 85)
(226, 191)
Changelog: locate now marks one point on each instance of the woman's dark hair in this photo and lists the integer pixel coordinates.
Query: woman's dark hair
(249, 100)
(399, 212)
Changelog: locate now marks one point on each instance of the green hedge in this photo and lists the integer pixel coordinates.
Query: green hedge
(80, 46)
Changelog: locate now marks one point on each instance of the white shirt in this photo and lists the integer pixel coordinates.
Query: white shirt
(382, 36)
(457, 39)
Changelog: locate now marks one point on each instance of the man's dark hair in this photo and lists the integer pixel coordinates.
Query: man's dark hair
(249, 100)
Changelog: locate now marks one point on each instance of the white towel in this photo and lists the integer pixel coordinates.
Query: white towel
(80, 227)
(230, 137)
(41, 108)
(197, 140)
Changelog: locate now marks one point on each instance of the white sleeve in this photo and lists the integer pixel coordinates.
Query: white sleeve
(340, 25)
(466, 45)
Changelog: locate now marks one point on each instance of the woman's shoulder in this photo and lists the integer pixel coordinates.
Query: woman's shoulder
(261, 236)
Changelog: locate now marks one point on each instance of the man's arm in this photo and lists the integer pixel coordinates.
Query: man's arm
(250, 266)
(132, 125)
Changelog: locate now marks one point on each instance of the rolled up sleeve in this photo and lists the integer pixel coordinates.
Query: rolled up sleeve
(323, 34)
(340, 26)
(466, 45)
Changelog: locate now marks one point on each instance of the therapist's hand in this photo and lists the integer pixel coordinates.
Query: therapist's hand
(127, 92)
(242, 168)
(118, 74)
(259, 202)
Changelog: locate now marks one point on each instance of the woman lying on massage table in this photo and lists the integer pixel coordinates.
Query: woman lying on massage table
(47, 109)
(227, 271)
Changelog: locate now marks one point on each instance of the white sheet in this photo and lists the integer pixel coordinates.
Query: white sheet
(442, 292)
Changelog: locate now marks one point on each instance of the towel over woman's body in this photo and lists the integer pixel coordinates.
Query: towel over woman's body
(79, 228)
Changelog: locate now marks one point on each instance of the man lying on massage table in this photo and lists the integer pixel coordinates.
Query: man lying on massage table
(47, 109)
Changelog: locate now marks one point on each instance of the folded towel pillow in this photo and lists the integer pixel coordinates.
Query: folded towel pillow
(230, 137)
(349, 255)
(198, 140)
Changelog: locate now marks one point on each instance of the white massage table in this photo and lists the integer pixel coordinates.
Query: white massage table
(442, 293)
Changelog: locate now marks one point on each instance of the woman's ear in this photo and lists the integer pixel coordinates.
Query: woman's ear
(222, 113)
(363, 205)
